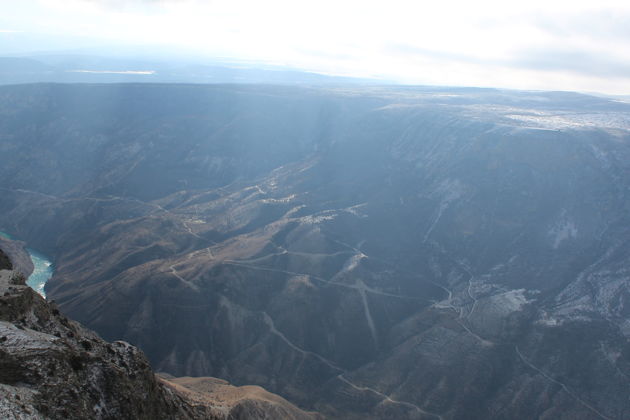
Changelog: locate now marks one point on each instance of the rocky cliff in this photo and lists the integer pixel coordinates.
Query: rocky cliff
(17, 258)
(53, 368)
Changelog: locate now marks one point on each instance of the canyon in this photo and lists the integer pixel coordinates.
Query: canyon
(364, 252)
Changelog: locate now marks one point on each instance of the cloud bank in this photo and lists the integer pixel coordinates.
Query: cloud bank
(578, 45)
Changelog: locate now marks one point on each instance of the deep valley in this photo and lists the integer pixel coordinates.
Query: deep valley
(364, 252)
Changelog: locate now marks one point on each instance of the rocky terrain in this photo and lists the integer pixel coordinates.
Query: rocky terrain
(53, 368)
(366, 253)
(16, 257)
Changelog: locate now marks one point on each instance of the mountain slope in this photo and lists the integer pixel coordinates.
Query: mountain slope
(53, 368)
(369, 253)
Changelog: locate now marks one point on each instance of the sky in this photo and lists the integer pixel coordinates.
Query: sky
(549, 45)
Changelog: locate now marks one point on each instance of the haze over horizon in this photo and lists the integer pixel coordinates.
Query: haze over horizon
(559, 45)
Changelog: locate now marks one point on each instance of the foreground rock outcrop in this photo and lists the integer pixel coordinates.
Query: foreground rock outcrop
(53, 368)
(15, 257)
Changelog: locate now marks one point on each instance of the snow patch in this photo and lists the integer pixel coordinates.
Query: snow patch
(313, 220)
(355, 210)
(294, 210)
(511, 301)
(283, 200)
(549, 321)
(564, 229)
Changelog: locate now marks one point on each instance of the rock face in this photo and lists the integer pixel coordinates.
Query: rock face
(5, 262)
(53, 368)
(17, 258)
(366, 253)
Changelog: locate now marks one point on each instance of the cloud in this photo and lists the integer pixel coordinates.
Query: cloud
(125, 6)
(122, 3)
(601, 24)
(406, 50)
(578, 61)
(579, 45)
(588, 63)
